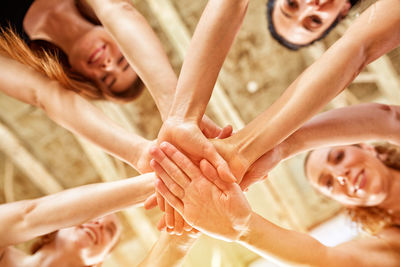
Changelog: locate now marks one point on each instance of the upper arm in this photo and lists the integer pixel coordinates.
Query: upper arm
(377, 29)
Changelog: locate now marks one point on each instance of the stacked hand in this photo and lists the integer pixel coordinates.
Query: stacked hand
(258, 171)
(196, 197)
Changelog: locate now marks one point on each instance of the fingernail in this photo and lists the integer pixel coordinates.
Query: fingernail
(164, 145)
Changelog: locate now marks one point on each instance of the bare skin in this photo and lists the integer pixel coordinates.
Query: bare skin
(238, 223)
(23, 221)
(301, 22)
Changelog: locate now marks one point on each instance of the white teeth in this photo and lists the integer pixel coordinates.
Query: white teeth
(96, 57)
(360, 177)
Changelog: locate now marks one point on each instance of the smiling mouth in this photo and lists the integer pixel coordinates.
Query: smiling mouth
(97, 54)
(91, 233)
(360, 180)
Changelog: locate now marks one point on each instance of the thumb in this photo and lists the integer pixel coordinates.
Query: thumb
(212, 175)
(151, 202)
(226, 132)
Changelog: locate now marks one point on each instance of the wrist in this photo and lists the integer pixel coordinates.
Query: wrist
(283, 150)
(245, 232)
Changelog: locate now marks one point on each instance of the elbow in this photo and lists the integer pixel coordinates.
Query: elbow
(390, 115)
(27, 209)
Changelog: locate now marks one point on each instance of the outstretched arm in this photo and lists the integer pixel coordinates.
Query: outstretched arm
(372, 34)
(27, 219)
(72, 112)
(145, 54)
(211, 41)
(349, 125)
(192, 194)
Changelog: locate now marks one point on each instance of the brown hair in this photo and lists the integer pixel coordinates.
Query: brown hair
(49, 60)
(374, 219)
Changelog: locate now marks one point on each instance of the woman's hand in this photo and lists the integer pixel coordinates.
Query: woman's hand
(196, 198)
(187, 136)
(259, 170)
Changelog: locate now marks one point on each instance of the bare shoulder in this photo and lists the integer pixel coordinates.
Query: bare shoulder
(382, 249)
(11, 257)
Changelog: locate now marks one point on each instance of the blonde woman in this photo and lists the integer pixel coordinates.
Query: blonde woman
(350, 175)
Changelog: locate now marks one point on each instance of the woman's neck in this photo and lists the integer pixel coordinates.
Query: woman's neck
(56, 21)
(392, 201)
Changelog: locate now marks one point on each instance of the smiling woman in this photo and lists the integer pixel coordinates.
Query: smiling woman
(299, 23)
(362, 177)
(88, 53)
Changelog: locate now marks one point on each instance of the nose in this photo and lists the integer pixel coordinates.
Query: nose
(312, 2)
(342, 180)
(107, 64)
(342, 176)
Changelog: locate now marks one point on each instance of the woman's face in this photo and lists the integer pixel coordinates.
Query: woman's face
(90, 242)
(303, 21)
(348, 174)
(96, 56)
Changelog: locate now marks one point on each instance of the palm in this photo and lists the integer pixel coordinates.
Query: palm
(188, 137)
(204, 204)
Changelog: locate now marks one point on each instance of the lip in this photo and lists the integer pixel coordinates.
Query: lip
(360, 180)
(97, 55)
(92, 233)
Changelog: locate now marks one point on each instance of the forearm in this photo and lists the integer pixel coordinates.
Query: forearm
(373, 34)
(210, 44)
(355, 124)
(169, 250)
(27, 219)
(141, 48)
(83, 119)
(269, 240)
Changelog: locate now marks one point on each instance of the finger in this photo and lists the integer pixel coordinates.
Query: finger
(169, 216)
(160, 201)
(219, 163)
(246, 182)
(179, 223)
(151, 202)
(168, 166)
(211, 174)
(161, 223)
(171, 198)
(209, 128)
(187, 227)
(181, 160)
(175, 188)
(226, 132)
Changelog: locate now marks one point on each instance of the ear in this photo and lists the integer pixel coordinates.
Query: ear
(345, 9)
